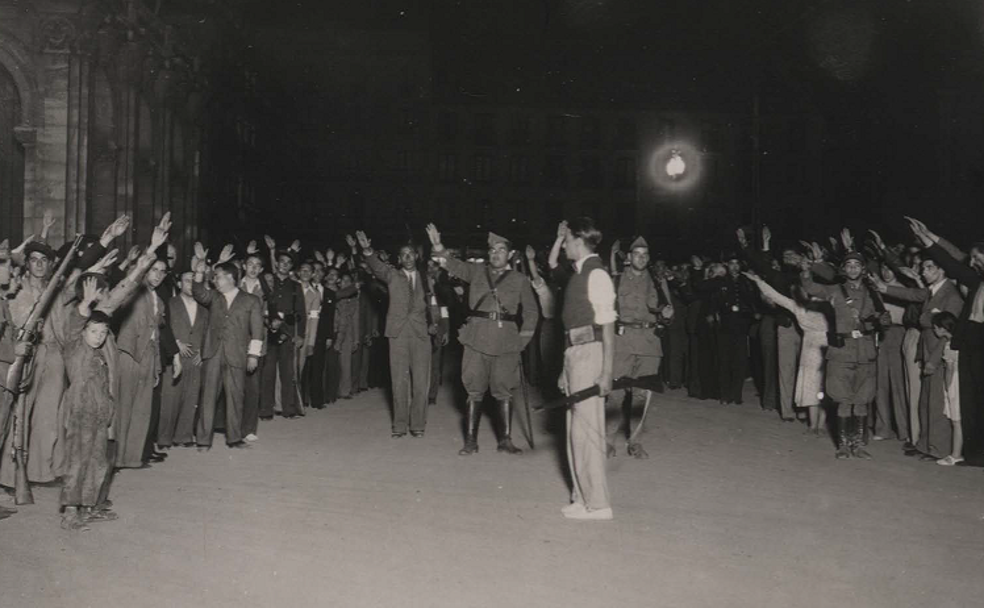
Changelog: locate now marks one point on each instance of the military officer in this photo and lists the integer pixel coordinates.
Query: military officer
(638, 349)
(851, 355)
(502, 318)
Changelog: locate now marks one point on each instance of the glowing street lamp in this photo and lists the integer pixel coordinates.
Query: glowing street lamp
(675, 167)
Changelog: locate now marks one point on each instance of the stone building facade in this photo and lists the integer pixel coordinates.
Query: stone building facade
(110, 107)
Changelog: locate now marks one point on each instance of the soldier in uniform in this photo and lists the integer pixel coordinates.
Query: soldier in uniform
(501, 321)
(851, 354)
(638, 349)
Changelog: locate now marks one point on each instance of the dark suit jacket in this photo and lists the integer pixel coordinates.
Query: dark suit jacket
(407, 307)
(230, 328)
(947, 298)
(967, 335)
(139, 322)
(181, 325)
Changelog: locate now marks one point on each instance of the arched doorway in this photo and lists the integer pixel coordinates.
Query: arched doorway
(11, 161)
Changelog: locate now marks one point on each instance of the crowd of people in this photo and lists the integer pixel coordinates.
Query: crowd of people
(143, 353)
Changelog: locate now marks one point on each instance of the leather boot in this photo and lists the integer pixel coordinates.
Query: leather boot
(474, 416)
(505, 440)
(844, 434)
(857, 439)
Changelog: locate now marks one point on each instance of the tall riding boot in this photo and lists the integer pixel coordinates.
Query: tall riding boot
(505, 440)
(844, 434)
(474, 416)
(857, 440)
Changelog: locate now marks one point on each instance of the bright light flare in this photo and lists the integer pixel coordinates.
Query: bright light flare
(675, 167)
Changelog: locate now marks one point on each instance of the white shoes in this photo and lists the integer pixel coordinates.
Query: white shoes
(577, 510)
(251, 437)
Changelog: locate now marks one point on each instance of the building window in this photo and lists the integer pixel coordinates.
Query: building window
(483, 168)
(447, 168)
(625, 137)
(485, 129)
(557, 130)
(590, 174)
(590, 132)
(555, 171)
(448, 126)
(519, 170)
(625, 173)
(519, 130)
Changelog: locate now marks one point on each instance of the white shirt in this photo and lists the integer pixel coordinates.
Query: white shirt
(936, 286)
(251, 285)
(412, 276)
(601, 293)
(191, 306)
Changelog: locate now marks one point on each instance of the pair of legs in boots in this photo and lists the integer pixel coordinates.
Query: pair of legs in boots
(852, 421)
(496, 373)
(474, 417)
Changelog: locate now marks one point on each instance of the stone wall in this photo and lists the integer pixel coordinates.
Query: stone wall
(110, 114)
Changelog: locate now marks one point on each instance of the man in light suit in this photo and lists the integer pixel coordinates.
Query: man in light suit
(407, 329)
(232, 348)
(188, 322)
(940, 295)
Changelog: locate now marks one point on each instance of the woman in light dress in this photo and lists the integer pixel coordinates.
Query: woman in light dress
(809, 376)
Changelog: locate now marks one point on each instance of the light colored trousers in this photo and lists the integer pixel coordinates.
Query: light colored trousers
(913, 380)
(586, 427)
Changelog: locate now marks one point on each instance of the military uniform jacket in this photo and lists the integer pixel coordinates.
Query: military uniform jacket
(515, 295)
(637, 299)
(852, 304)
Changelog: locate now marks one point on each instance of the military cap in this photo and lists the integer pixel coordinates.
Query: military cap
(639, 242)
(495, 239)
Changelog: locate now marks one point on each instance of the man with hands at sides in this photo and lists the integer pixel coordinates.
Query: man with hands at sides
(233, 343)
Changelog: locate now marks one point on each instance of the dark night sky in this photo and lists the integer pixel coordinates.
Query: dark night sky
(872, 68)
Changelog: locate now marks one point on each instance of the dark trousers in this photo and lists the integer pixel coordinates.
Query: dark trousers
(314, 370)
(178, 400)
(693, 366)
(890, 394)
(221, 378)
(768, 350)
(410, 375)
(971, 366)
(707, 364)
(675, 361)
(437, 354)
(279, 358)
(333, 372)
(155, 419)
(732, 348)
(936, 435)
(251, 401)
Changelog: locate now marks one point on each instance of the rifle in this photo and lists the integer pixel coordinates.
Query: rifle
(29, 333)
(650, 383)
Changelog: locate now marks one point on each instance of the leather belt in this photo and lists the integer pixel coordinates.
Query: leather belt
(494, 316)
(585, 334)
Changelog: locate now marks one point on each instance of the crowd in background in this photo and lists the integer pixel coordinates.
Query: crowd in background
(862, 343)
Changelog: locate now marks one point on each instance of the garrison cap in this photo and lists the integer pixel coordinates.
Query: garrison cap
(495, 239)
(639, 242)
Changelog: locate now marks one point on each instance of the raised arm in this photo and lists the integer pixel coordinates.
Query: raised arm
(120, 294)
(554, 259)
(770, 294)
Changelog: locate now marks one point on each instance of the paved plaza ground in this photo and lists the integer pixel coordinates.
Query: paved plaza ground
(734, 508)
